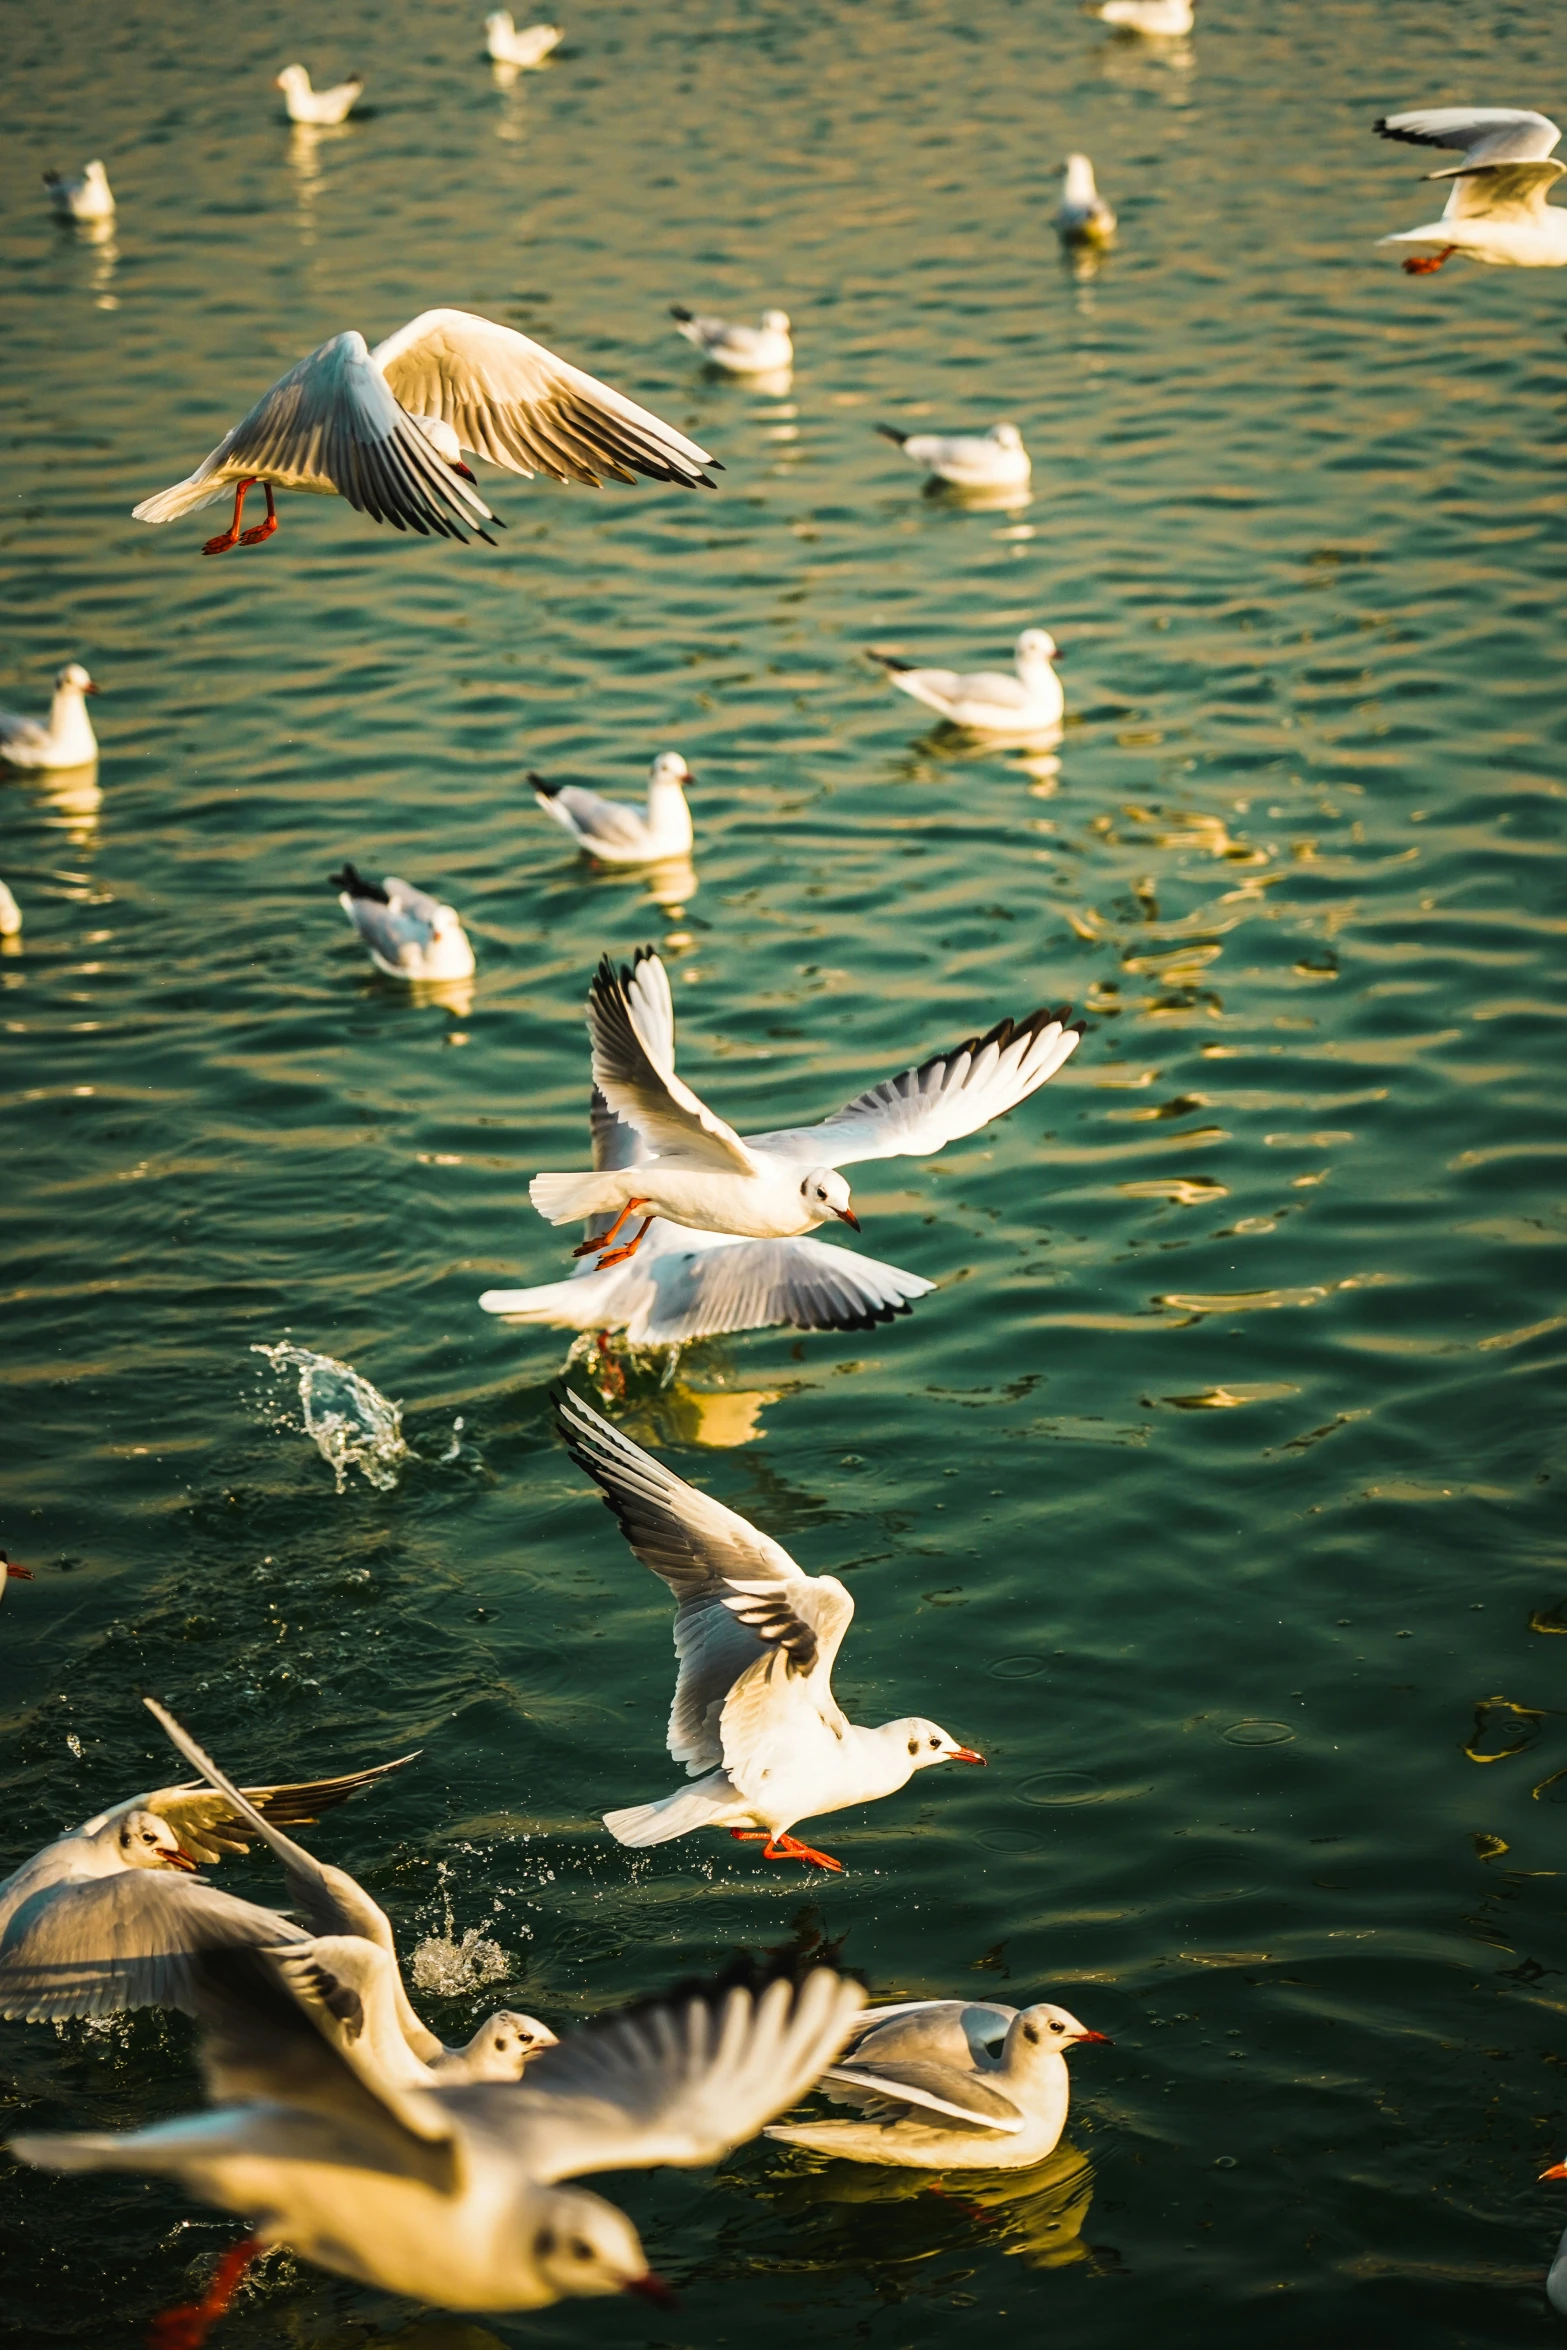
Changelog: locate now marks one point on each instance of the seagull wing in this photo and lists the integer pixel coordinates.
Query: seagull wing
(99, 1945)
(906, 2091)
(752, 1284)
(388, 930)
(595, 819)
(631, 1022)
(1501, 191)
(208, 1825)
(678, 2080)
(510, 400)
(740, 1594)
(1486, 134)
(954, 1094)
(614, 1142)
(332, 424)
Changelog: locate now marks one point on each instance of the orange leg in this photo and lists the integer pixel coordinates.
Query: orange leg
(186, 2328)
(627, 1248)
(233, 536)
(590, 1248)
(786, 1848)
(262, 530)
(1422, 264)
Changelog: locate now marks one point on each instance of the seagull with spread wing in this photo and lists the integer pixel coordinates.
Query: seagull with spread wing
(1496, 210)
(694, 1169)
(754, 1719)
(387, 430)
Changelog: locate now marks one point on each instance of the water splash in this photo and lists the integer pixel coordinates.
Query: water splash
(448, 1967)
(354, 1425)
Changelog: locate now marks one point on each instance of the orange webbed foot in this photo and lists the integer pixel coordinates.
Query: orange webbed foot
(790, 1848)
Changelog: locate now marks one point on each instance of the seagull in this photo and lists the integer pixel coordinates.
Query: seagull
(1158, 20)
(321, 107)
(68, 739)
(1082, 217)
(386, 429)
(1496, 210)
(1556, 2279)
(996, 460)
(10, 914)
(684, 1284)
(740, 350)
(84, 195)
(409, 935)
(509, 47)
(616, 834)
(754, 1719)
(696, 1170)
(110, 1916)
(950, 2084)
(348, 1968)
(450, 2196)
(987, 701)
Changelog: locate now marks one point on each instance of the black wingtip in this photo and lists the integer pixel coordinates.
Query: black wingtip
(887, 660)
(542, 785)
(891, 433)
(352, 883)
(679, 310)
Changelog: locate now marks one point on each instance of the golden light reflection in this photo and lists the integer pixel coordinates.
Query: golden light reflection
(1036, 2216)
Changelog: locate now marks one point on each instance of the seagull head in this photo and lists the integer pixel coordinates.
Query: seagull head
(669, 767)
(73, 674)
(1006, 436)
(583, 2245)
(928, 1742)
(143, 1841)
(292, 77)
(500, 2048)
(1045, 2031)
(447, 922)
(825, 1193)
(1036, 646)
(776, 321)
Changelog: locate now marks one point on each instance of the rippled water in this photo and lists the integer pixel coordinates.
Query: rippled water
(1215, 1491)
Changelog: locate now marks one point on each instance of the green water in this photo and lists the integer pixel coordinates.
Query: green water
(1214, 1489)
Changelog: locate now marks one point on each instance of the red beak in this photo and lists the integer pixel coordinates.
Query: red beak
(90, 688)
(847, 1216)
(180, 1860)
(21, 1574)
(1558, 2170)
(653, 2288)
(966, 1754)
(1103, 2039)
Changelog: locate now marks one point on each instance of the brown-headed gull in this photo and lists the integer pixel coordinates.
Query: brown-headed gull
(994, 460)
(1496, 211)
(409, 934)
(451, 2196)
(10, 916)
(386, 429)
(616, 834)
(754, 1719)
(694, 1169)
(987, 701)
(507, 46)
(949, 2084)
(740, 350)
(67, 740)
(110, 1916)
(348, 1964)
(684, 1284)
(1082, 216)
(1556, 2275)
(320, 107)
(80, 195)
(1156, 20)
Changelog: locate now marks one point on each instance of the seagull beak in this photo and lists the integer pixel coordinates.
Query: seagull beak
(180, 1860)
(20, 1574)
(653, 2288)
(966, 1754)
(90, 688)
(1558, 2170)
(847, 1216)
(1103, 2038)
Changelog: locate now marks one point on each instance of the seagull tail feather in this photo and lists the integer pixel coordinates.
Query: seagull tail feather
(701, 1806)
(184, 497)
(568, 1199)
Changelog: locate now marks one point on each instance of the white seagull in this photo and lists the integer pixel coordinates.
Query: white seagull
(987, 701)
(740, 350)
(450, 2195)
(684, 1284)
(1496, 210)
(950, 2084)
(409, 935)
(82, 195)
(509, 47)
(10, 914)
(754, 1719)
(616, 834)
(1082, 216)
(67, 740)
(1556, 2276)
(321, 107)
(386, 429)
(111, 1916)
(695, 1170)
(995, 460)
(1156, 20)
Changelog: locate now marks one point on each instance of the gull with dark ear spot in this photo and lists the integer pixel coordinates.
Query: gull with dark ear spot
(754, 1719)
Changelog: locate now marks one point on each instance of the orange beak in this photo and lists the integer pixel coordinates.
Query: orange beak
(20, 1574)
(653, 2288)
(847, 1216)
(1103, 2039)
(1558, 2170)
(180, 1860)
(966, 1754)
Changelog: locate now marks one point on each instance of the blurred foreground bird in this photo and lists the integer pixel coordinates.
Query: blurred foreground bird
(81, 195)
(1496, 211)
(10, 922)
(409, 935)
(67, 740)
(321, 107)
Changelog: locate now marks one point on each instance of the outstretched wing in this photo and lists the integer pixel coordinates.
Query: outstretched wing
(631, 1023)
(954, 1094)
(1501, 191)
(208, 1825)
(1486, 134)
(906, 2091)
(99, 1945)
(740, 1594)
(751, 1284)
(510, 400)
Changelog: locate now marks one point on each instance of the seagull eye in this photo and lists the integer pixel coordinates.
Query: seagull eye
(1058, 2027)
(935, 1742)
(579, 2250)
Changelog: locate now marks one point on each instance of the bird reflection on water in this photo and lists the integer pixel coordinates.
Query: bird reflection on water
(862, 2218)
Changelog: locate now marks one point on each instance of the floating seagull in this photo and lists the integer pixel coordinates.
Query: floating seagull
(950, 2084)
(754, 1719)
(996, 460)
(1082, 217)
(616, 834)
(684, 1284)
(696, 1170)
(347, 1968)
(1556, 2278)
(740, 350)
(68, 739)
(1496, 210)
(409, 935)
(987, 701)
(110, 1916)
(449, 2195)
(10, 918)
(1158, 20)
(321, 107)
(83, 195)
(509, 47)
(386, 429)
